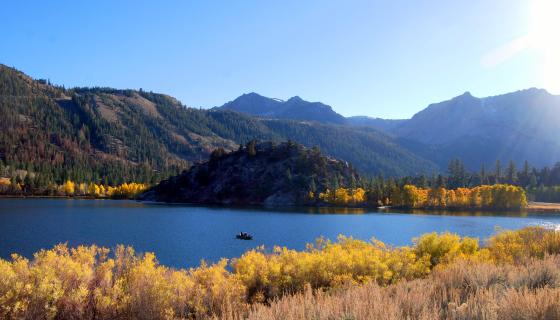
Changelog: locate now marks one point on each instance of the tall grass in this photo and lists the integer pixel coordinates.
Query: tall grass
(464, 290)
(439, 277)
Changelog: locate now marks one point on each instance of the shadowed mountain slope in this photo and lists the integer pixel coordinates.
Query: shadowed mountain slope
(517, 126)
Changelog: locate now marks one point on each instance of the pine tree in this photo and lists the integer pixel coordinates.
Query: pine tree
(511, 173)
(498, 172)
(525, 174)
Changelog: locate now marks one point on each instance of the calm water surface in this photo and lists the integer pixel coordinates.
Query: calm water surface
(183, 235)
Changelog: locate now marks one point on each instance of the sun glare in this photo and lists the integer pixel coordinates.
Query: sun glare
(545, 36)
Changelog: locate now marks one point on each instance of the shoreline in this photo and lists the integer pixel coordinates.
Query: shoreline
(543, 207)
(533, 207)
(7, 196)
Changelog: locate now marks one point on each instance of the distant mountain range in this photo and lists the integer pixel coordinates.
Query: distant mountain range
(522, 125)
(518, 126)
(95, 133)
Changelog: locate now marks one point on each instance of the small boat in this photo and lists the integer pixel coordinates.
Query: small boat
(244, 236)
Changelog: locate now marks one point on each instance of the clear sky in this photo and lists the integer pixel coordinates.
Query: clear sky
(377, 58)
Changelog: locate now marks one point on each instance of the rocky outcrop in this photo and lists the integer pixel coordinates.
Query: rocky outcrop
(256, 174)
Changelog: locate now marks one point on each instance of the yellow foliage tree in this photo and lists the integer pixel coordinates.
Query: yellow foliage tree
(343, 196)
(496, 196)
(68, 188)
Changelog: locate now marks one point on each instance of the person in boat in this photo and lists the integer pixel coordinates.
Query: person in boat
(243, 235)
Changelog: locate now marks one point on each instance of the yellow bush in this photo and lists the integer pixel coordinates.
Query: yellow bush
(514, 246)
(327, 264)
(445, 248)
(82, 282)
(91, 282)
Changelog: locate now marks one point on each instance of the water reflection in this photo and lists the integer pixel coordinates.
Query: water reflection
(350, 210)
(461, 213)
(291, 209)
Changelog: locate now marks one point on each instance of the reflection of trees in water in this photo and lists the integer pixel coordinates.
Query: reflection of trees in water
(336, 210)
(466, 213)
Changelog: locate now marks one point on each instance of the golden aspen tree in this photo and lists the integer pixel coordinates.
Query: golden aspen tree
(82, 189)
(69, 188)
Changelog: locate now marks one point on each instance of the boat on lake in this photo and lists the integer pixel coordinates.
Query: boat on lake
(244, 236)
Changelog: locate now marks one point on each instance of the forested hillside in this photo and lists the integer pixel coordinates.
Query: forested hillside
(99, 134)
(111, 136)
(51, 134)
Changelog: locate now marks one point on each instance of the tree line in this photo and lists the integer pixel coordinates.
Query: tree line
(70, 189)
(539, 184)
(499, 196)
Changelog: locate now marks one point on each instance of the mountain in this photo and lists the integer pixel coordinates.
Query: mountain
(111, 136)
(517, 126)
(260, 173)
(294, 109)
(98, 133)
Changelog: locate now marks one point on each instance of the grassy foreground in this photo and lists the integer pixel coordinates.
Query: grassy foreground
(515, 275)
(462, 291)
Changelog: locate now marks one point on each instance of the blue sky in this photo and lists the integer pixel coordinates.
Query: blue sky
(377, 58)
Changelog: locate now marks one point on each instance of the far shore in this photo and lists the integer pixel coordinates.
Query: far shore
(12, 196)
(543, 207)
(533, 207)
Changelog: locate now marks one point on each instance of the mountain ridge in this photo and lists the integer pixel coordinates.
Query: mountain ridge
(295, 108)
(516, 126)
(96, 134)
(106, 133)
(519, 126)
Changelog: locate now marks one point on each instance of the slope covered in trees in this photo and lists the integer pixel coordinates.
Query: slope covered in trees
(51, 134)
(100, 135)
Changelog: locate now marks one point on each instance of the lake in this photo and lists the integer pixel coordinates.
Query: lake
(182, 235)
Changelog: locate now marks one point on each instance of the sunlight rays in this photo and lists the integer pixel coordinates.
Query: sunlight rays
(545, 36)
(542, 36)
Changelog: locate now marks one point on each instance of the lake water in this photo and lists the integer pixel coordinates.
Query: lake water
(183, 235)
